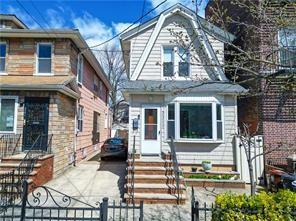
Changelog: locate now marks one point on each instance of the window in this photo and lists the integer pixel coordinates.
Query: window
(183, 62)
(106, 120)
(287, 43)
(79, 69)
(2, 56)
(171, 120)
(80, 114)
(219, 122)
(44, 58)
(150, 124)
(196, 121)
(168, 64)
(96, 124)
(96, 84)
(8, 114)
(101, 88)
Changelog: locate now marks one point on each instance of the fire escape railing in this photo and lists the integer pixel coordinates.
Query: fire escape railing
(175, 168)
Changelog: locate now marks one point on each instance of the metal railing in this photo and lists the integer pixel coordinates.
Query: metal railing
(200, 212)
(9, 144)
(175, 168)
(133, 171)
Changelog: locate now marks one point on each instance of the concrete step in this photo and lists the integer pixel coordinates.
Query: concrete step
(151, 170)
(154, 188)
(138, 178)
(150, 162)
(19, 157)
(11, 166)
(149, 198)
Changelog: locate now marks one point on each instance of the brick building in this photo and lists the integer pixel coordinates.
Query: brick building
(271, 105)
(49, 84)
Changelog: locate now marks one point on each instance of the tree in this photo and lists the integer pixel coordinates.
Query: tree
(111, 60)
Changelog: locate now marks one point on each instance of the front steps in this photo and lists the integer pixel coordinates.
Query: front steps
(154, 182)
(42, 171)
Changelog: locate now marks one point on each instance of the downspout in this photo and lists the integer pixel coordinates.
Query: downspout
(237, 150)
(75, 133)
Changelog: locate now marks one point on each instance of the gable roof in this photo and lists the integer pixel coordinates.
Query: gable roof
(205, 49)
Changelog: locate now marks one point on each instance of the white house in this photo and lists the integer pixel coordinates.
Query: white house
(177, 88)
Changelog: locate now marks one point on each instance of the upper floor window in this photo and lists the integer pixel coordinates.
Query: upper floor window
(79, 69)
(175, 62)
(96, 85)
(2, 56)
(44, 52)
(287, 43)
(168, 61)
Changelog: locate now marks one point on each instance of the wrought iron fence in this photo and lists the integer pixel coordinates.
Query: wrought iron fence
(9, 144)
(200, 212)
(47, 204)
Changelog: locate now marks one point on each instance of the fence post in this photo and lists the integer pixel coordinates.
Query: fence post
(24, 200)
(104, 209)
(196, 212)
(141, 211)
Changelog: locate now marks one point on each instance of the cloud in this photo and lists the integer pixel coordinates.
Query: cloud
(54, 18)
(119, 27)
(22, 16)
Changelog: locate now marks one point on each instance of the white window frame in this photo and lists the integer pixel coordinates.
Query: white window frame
(214, 138)
(5, 58)
(79, 69)
(80, 114)
(51, 59)
(176, 59)
(15, 98)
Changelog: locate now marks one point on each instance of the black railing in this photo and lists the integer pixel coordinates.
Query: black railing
(200, 212)
(47, 204)
(9, 144)
(133, 171)
(175, 168)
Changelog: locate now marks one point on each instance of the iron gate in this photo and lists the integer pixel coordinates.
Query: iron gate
(47, 204)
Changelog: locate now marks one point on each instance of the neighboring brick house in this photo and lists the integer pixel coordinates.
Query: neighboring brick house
(272, 108)
(44, 89)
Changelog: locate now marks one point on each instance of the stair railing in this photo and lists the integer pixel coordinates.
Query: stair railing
(9, 144)
(175, 168)
(133, 170)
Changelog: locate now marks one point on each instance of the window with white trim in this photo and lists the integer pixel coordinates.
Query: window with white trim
(80, 69)
(287, 44)
(44, 53)
(175, 62)
(80, 113)
(195, 121)
(2, 57)
(8, 108)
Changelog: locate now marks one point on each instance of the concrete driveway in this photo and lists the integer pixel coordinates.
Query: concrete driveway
(92, 180)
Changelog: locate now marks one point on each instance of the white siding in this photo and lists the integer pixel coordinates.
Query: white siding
(152, 69)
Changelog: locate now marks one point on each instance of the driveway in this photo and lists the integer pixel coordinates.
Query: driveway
(92, 180)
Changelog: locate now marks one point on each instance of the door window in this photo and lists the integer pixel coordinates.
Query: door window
(150, 124)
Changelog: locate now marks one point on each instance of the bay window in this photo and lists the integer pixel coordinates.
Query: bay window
(44, 54)
(8, 114)
(195, 121)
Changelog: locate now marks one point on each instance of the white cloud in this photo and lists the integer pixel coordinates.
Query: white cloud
(22, 16)
(119, 27)
(55, 20)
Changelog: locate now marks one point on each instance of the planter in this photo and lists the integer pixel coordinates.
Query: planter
(206, 165)
(193, 169)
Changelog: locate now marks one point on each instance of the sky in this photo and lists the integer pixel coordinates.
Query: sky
(97, 20)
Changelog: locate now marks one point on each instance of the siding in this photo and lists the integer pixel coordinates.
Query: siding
(152, 69)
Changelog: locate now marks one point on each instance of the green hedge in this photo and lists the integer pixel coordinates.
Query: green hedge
(280, 206)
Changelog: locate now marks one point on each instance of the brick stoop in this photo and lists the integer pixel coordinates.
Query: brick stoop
(42, 172)
(154, 182)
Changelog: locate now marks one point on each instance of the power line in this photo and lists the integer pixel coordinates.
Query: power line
(118, 34)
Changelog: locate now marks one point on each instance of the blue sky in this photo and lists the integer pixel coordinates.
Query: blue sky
(97, 20)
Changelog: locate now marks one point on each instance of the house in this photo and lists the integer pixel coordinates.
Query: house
(270, 107)
(171, 96)
(51, 85)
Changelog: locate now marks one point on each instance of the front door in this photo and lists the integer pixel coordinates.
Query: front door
(35, 121)
(150, 131)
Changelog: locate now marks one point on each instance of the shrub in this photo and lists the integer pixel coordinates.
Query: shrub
(212, 177)
(206, 161)
(280, 206)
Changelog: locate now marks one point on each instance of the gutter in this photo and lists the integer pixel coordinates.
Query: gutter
(60, 88)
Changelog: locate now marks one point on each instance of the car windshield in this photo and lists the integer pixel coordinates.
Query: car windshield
(114, 141)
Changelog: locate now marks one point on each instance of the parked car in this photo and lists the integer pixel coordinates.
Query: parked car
(114, 147)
